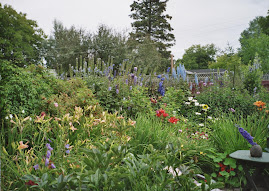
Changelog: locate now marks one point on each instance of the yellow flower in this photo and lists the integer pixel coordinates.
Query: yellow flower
(205, 107)
(22, 146)
(201, 153)
(181, 146)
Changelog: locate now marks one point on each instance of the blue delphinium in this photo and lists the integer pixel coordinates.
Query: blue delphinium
(168, 69)
(246, 135)
(161, 88)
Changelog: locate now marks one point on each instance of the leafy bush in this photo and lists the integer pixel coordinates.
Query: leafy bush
(22, 90)
(222, 99)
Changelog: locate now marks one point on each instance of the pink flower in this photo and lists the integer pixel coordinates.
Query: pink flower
(180, 130)
(56, 104)
(232, 110)
(197, 92)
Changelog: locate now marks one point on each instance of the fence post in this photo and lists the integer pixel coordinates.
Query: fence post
(172, 63)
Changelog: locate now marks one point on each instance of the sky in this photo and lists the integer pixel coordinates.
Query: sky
(194, 21)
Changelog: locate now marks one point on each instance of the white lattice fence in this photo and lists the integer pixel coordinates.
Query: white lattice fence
(203, 76)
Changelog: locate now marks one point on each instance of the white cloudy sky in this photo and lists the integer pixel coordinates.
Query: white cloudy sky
(194, 21)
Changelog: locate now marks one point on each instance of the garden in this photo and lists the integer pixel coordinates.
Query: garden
(102, 127)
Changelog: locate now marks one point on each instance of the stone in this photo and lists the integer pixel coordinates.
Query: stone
(256, 151)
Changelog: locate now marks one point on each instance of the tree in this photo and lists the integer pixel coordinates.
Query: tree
(108, 43)
(151, 22)
(254, 42)
(198, 57)
(146, 56)
(65, 46)
(20, 38)
(264, 24)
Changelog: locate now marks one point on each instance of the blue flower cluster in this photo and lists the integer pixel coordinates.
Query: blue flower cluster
(246, 135)
(161, 88)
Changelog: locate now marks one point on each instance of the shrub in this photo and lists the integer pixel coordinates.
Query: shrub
(22, 90)
(221, 99)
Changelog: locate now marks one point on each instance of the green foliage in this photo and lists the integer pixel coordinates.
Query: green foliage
(226, 61)
(147, 56)
(20, 38)
(253, 41)
(227, 137)
(264, 23)
(65, 46)
(22, 90)
(151, 22)
(198, 57)
(106, 43)
(252, 80)
(221, 99)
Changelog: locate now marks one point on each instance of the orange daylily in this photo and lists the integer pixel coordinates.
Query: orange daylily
(260, 105)
(22, 146)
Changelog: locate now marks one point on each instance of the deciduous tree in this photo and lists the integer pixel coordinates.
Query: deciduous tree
(20, 38)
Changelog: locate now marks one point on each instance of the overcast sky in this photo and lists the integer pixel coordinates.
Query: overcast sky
(194, 21)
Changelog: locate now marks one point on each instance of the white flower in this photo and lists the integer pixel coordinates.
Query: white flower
(190, 98)
(10, 116)
(197, 113)
(201, 124)
(194, 100)
(23, 111)
(30, 118)
(196, 104)
(6, 117)
(187, 103)
(209, 117)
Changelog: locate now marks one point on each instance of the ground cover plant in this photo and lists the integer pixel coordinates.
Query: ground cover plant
(125, 130)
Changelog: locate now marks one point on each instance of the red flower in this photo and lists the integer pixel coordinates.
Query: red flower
(165, 114)
(30, 182)
(173, 120)
(161, 112)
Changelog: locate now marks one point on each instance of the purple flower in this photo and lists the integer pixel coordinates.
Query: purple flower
(67, 146)
(67, 151)
(49, 147)
(36, 166)
(159, 76)
(117, 91)
(48, 154)
(109, 88)
(53, 166)
(126, 81)
(246, 135)
(135, 79)
(135, 69)
(47, 161)
(49, 140)
(130, 87)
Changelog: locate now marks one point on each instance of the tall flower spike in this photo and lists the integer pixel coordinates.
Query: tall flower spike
(246, 135)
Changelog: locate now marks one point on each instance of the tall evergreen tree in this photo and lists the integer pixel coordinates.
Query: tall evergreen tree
(151, 22)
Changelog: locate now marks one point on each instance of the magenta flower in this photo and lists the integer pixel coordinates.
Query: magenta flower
(56, 104)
